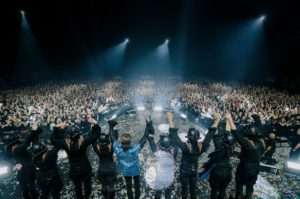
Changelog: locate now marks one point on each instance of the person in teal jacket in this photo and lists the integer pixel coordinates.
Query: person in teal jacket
(128, 161)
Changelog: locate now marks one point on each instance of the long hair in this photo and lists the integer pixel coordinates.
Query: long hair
(69, 142)
(195, 149)
(102, 148)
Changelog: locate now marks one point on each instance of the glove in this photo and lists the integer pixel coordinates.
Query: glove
(151, 130)
(149, 123)
(112, 123)
(116, 134)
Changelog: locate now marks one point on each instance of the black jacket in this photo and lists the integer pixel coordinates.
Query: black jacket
(220, 159)
(47, 167)
(189, 160)
(250, 156)
(21, 155)
(79, 162)
(270, 143)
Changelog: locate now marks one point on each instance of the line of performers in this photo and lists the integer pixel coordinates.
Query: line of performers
(39, 164)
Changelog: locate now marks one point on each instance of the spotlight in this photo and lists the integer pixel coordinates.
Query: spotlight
(3, 170)
(140, 108)
(167, 41)
(262, 18)
(127, 40)
(157, 108)
(293, 165)
(22, 12)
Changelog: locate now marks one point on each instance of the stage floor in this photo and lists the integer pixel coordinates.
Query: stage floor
(268, 185)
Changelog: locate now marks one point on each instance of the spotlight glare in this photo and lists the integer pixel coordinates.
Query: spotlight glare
(262, 18)
(140, 108)
(293, 165)
(3, 170)
(22, 12)
(157, 108)
(127, 40)
(167, 41)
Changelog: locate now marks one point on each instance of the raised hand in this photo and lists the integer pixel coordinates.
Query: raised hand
(112, 123)
(217, 116)
(170, 116)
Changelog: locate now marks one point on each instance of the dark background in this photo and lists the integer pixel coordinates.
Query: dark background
(69, 34)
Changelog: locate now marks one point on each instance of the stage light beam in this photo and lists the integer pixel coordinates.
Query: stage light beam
(157, 108)
(140, 108)
(262, 18)
(22, 12)
(3, 170)
(293, 165)
(167, 41)
(127, 40)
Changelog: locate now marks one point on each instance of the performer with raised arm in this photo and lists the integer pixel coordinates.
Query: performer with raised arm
(251, 153)
(128, 162)
(107, 168)
(219, 166)
(17, 150)
(165, 153)
(48, 177)
(191, 150)
(75, 146)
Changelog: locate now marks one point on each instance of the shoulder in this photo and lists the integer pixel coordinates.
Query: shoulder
(135, 147)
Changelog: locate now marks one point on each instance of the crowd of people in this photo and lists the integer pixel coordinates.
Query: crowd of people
(74, 100)
(251, 116)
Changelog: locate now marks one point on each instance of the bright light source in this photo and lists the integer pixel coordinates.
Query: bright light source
(22, 12)
(184, 116)
(127, 40)
(157, 108)
(262, 18)
(140, 108)
(113, 116)
(293, 165)
(3, 170)
(167, 41)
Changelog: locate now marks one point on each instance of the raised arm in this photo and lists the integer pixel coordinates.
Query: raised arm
(211, 132)
(143, 140)
(173, 133)
(112, 133)
(152, 144)
(95, 132)
(237, 134)
(151, 133)
(177, 140)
